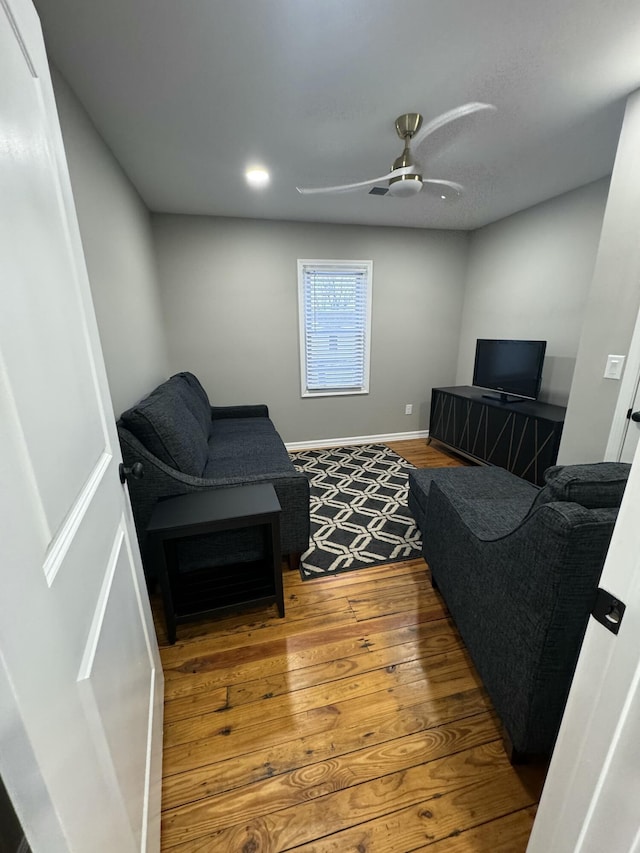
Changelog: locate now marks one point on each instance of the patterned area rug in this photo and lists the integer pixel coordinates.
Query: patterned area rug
(359, 513)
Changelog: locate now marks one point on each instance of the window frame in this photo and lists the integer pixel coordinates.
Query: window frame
(365, 266)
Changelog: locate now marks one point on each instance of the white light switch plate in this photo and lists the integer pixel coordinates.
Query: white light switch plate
(613, 370)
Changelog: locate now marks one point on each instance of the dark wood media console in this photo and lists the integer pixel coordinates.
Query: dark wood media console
(522, 436)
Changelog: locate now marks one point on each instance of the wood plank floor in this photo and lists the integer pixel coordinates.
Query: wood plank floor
(357, 723)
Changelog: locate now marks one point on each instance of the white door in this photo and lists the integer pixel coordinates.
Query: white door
(591, 800)
(80, 680)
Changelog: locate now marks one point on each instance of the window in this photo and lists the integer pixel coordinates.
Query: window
(334, 299)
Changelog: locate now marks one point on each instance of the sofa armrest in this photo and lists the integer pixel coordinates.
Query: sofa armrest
(492, 502)
(257, 411)
(159, 480)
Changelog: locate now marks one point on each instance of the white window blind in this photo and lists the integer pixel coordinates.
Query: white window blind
(335, 324)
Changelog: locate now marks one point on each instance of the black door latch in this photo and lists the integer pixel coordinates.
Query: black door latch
(608, 610)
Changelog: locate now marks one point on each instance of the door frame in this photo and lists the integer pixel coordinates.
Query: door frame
(626, 396)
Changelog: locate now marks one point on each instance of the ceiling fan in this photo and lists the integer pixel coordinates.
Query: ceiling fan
(406, 176)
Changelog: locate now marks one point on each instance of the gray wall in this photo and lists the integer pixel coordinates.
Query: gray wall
(229, 292)
(529, 277)
(613, 304)
(118, 247)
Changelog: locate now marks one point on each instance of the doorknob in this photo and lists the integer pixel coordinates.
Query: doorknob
(136, 471)
(635, 416)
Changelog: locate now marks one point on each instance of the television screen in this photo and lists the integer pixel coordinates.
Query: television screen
(510, 367)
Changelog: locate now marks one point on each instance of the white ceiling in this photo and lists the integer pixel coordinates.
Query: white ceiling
(187, 93)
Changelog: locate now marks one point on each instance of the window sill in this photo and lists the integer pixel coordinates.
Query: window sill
(334, 393)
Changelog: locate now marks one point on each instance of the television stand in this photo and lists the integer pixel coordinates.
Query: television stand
(503, 398)
(524, 439)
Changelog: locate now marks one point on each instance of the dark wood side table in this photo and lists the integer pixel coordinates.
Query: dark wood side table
(203, 592)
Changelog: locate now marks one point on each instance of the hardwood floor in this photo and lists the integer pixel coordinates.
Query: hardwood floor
(356, 723)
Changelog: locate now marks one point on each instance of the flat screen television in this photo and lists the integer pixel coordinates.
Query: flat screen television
(510, 368)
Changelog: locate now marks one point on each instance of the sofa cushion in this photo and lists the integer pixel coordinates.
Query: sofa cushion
(598, 484)
(168, 429)
(240, 447)
(194, 383)
(195, 399)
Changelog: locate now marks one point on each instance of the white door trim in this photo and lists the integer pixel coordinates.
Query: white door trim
(626, 395)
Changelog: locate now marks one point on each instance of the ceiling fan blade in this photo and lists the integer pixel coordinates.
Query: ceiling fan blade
(446, 189)
(347, 188)
(446, 118)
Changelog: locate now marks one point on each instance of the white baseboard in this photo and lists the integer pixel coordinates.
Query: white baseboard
(355, 439)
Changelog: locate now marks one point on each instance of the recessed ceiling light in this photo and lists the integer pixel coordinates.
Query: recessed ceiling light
(257, 178)
(443, 196)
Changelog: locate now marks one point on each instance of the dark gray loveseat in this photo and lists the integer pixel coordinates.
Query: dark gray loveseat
(186, 445)
(518, 568)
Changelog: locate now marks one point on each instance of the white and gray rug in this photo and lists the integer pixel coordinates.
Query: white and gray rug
(359, 513)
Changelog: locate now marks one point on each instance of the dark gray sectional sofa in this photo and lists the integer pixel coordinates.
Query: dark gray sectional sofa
(186, 445)
(518, 568)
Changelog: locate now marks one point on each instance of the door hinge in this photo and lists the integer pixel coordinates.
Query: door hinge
(608, 610)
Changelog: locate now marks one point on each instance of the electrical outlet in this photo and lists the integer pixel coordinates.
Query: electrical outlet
(408, 409)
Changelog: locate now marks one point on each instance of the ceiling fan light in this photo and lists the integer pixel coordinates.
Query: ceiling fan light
(405, 185)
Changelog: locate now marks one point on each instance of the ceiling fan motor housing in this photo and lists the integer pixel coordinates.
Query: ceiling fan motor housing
(408, 125)
(403, 186)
